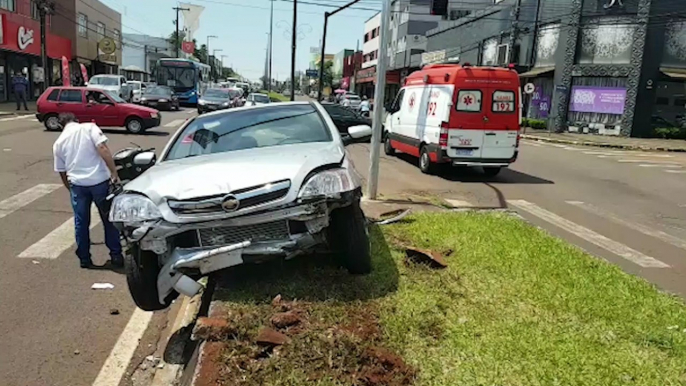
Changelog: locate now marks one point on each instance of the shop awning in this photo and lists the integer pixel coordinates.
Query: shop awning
(133, 68)
(536, 71)
(676, 73)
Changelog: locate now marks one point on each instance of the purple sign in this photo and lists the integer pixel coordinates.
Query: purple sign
(538, 93)
(544, 107)
(588, 99)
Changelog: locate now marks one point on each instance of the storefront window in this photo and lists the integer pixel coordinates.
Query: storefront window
(606, 41)
(546, 45)
(8, 5)
(101, 30)
(83, 25)
(596, 104)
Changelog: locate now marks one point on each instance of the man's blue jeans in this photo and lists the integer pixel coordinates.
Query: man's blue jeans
(82, 198)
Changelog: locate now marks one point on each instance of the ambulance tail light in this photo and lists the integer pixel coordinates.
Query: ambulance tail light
(443, 137)
(517, 145)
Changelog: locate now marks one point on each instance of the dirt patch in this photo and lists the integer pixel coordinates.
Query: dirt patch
(308, 343)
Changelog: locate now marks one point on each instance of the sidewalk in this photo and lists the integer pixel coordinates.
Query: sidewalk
(10, 108)
(673, 145)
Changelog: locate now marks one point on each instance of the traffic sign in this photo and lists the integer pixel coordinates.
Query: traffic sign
(311, 73)
(529, 88)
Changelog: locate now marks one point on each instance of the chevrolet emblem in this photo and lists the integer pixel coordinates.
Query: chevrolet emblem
(230, 203)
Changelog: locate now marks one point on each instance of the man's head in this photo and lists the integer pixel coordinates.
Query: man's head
(66, 118)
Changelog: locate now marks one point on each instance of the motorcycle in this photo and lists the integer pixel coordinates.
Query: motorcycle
(129, 166)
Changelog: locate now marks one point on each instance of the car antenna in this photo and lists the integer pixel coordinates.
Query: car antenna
(135, 144)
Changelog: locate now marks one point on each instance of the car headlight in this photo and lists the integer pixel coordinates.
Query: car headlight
(143, 99)
(225, 104)
(201, 101)
(327, 183)
(162, 100)
(131, 208)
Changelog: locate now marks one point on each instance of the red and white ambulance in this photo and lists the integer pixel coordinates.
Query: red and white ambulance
(457, 114)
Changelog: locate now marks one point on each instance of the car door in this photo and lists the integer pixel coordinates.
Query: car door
(501, 123)
(465, 137)
(393, 125)
(71, 101)
(342, 117)
(101, 109)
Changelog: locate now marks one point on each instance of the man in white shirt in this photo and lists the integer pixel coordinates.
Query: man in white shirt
(364, 107)
(86, 167)
(345, 102)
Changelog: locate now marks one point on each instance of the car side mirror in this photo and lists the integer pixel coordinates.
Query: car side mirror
(145, 158)
(359, 131)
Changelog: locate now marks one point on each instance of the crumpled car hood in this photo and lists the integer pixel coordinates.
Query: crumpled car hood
(221, 173)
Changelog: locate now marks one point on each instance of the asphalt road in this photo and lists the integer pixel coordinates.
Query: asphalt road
(56, 330)
(624, 206)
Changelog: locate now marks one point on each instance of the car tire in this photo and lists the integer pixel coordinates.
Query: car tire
(492, 171)
(141, 276)
(134, 125)
(51, 122)
(387, 146)
(425, 164)
(349, 238)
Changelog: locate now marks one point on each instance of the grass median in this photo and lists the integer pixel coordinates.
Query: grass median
(515, 306)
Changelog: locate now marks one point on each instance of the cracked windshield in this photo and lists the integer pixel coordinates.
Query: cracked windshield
(343, 192)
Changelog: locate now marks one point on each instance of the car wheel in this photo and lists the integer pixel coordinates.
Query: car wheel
(141, 275)
(134, 125)
(349, 238)
(52, 122)
(425, 164)
(387, 146)
(492, 171)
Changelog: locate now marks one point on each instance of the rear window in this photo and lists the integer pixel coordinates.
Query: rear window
(469, 101)
(503, 101)
(53, 95)
(71, 96)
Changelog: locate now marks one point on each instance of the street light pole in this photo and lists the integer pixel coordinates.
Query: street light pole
(379, 90)
(45, 8)
(321, 57)
(293, 47)
(214, 54)
(271, 34)
(178, 38)
(221, 72)
(207, 47)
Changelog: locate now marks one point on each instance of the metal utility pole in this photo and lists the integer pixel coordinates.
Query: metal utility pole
(271, 34)
(178, 38)
(379, 90)
(293, 47)
(214, 54)
(45, 8)
(207, 47)
(514, 33)
(321, 57)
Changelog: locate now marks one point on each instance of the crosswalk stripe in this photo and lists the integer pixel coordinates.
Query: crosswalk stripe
(675, 171)
(592, 237)
(59, 240)
(673, 166)
(677, 242)
(17, 117)
(175, 122)
(16, 202)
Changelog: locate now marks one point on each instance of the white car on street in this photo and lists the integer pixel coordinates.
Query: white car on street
(255, 99)
(239, 186)
(115, 83)
(353, 99)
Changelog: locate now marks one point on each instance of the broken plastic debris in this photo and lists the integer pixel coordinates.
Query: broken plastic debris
(102, 286)
(35, 261)
(397, 216)
(6, 149)
(421, 256)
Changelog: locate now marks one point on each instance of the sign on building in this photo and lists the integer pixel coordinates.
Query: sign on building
(311, 73)
(433, 57)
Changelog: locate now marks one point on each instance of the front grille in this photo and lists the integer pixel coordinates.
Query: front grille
(277, 230)
(248, 197)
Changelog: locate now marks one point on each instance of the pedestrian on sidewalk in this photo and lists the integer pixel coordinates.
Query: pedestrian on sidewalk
(20, 87)
(364, 107)
(86, 167)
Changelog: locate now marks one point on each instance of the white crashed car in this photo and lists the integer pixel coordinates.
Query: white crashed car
(255, 99)
(238, 186)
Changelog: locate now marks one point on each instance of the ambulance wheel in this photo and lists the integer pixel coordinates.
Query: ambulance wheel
(387, 147)
(425, 164)
(492, 171)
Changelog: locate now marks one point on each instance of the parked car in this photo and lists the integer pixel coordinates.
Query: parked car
(243, 86)
(256, 99)
(354, 100)
(115, 83)
(272, 181)
(345, 118)
(103, 107)
(137, 90)
(217, 99)
(160, 97)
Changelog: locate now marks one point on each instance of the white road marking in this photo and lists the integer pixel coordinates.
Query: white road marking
(19, 200)
(116, 363)
(630, 161)
(602, 153)
(592, 237)
(675, 171)
(59, 240)
(677, 242)
(674, 166)
(653, 155)
(175, 123)
(532, 144)
(458, 203)
(572, 148)
(645, 161)
(17, 117)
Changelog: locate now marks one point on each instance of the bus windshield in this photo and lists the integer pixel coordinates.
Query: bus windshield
(179, 78)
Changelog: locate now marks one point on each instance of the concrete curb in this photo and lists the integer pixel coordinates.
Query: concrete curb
(601, 144)
(206, 371)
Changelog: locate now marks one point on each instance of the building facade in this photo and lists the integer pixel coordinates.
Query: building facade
(337, 68)
(98, 37)
(20, 45)
(599, 66)
(140, 54)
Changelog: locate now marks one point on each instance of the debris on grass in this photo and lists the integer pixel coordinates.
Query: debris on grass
(426, 257)
(393, 216)
(285, 319)
(212, 329)
(270, 337)
(382, 367)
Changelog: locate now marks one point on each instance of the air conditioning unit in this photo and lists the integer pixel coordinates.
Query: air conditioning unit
(503, 54)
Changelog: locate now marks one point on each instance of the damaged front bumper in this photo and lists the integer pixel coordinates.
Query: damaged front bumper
(199, 248)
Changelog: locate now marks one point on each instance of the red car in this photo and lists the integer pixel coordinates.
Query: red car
(92, 105)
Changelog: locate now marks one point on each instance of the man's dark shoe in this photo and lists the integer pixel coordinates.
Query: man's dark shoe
(117, 261)
(86, 264)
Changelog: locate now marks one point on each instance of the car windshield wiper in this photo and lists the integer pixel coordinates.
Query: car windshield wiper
(267, 121)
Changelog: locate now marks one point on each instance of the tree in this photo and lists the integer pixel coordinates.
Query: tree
(228, 72)
(327, 78)
(200, 52)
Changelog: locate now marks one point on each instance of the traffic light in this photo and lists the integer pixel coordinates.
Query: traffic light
(439, 7)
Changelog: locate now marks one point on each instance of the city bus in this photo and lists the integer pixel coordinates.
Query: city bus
(186, 77)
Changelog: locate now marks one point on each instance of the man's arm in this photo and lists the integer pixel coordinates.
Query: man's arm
(65, 181)
(106, 155)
